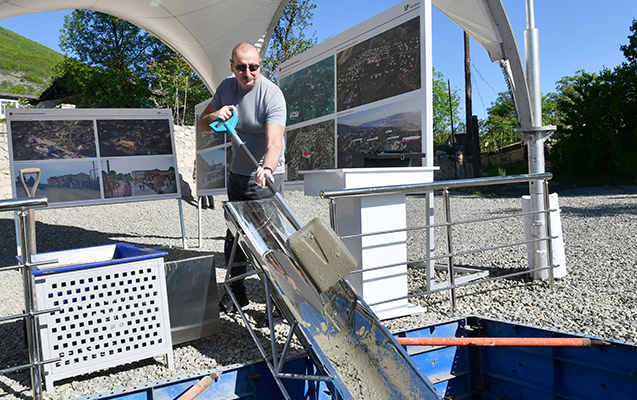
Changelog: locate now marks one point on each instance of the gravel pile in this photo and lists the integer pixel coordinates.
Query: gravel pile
(597, 297)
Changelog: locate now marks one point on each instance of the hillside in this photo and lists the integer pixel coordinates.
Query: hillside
(25, 66)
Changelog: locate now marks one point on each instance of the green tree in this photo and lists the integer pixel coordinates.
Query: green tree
(94, 87)
(107, 42)
(178, 88)
(117, 64)
(289, 38)
(498, 129)
(597, 135)
(442, 112)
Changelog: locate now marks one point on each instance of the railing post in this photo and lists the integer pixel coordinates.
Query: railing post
(31, 326)
(451, 278)
(549, 241)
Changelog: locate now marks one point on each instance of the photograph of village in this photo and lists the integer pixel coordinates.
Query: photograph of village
(139, 177)
(394, 127)
(309, 93)
(211, 169)
(380, 67)
(52, 139)
(61, 181)
(209, 138)
(309, 148)
(134, 137)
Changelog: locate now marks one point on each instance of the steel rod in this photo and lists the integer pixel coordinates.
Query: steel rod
(500, 341)
(440, 185)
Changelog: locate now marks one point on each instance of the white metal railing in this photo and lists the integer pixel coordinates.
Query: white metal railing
(475, 276)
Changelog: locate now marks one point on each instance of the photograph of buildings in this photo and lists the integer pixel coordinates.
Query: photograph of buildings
(134, 137)
(383, 66)
(309, 93)
(211, 169)
(52, 139)
(61, 181)
(139, 176)
(309, 148)
(393, 127)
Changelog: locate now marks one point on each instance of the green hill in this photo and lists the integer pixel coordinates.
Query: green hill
(25, 66)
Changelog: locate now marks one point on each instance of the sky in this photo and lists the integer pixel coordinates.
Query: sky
(574, 35)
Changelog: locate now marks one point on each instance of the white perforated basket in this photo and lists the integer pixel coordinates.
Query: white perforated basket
(109, 315)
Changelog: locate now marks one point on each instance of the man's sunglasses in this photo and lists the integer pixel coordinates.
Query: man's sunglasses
(242, 67)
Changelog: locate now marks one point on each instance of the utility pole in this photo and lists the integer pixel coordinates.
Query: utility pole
(471, 123)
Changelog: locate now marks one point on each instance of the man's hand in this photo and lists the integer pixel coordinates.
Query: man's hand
(261, 175)
(224, 113)
(210, 115)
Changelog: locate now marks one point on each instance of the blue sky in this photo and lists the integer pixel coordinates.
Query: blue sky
(574, 35)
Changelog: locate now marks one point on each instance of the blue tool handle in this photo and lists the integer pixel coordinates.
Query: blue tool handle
(226, 127)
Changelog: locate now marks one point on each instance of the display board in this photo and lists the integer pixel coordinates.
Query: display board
(94, 156)
(365, 90)
(213, 157)
(359, 92)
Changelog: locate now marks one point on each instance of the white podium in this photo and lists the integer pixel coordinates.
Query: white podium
(368, 214)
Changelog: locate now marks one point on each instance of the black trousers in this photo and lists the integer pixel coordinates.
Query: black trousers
(243, 188)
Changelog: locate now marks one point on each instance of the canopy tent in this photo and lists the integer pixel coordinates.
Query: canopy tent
(204, 31)
(487, 23)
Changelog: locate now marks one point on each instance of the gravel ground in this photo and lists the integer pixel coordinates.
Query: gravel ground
(597, 297)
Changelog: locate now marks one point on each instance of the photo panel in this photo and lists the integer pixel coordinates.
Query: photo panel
(127, 177)
(52, 139)
(309, 93)
(309, 148)
(211, 169)
(380, 67)
(61, 181)
(391, 127)
(94, 156)
(208, 139)
(134, 137)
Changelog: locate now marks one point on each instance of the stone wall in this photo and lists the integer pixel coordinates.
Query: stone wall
(452, 167)
(184, 144)
(5, 178)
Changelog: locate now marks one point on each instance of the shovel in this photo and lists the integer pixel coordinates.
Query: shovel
(319, 251)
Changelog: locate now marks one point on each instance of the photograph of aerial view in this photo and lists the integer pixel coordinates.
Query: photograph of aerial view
(211, 169)
(61, 181)
(133, 137)
(390, 128)
(309, 148)
(52, 139)
(309, 93)
(139, 176)
(380, 67)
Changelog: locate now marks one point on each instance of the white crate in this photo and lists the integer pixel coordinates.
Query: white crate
(110, 315)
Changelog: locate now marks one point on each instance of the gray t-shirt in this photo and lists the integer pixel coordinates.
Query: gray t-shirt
(262, 105)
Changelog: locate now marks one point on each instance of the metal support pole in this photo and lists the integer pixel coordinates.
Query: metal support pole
(31, 326)
(535, 139)
(451, 279)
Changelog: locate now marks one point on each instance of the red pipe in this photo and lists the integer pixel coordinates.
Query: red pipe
(499, 341)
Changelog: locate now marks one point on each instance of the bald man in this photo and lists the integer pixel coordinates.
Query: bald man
(260, 106)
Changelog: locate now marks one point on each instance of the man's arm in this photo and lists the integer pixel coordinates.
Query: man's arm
(274, 143)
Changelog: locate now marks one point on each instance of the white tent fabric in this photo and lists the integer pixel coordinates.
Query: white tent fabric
(487, 23)
(203, 31)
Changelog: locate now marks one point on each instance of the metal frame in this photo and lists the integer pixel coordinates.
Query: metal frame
(275, 362)
(475, 276)
(23, 208)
